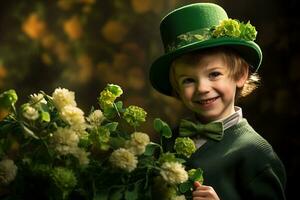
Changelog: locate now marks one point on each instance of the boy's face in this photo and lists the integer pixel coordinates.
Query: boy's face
(206, 87)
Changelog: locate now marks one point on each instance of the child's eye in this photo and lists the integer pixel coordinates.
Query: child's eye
(214, 74)
(187, 81)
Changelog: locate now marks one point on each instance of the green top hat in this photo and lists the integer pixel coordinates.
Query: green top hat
(199, 26)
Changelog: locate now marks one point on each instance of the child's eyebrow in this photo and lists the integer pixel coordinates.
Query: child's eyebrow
(215, 68)
(184, 75)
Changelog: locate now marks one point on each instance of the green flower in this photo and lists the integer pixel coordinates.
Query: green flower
(248, 32)
(103, 134)
(191, 172)
(104, 138)
(63, 178)
(101, 137)
(8, 98)
(196, 175)
(184, 146)
(236, 29)
(114, 89)
(109, 95)
(134, 115)
(106, 99)
(228, 27)
(167, 157)
(40, 170)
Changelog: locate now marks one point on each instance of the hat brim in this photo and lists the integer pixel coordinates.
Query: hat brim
(159, 70)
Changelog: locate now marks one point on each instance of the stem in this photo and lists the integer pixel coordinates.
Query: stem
(161, 144)
(117, 110)
(14, 109)
(94, 189)
(45, 144)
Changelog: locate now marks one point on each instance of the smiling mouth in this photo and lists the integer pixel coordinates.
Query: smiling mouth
(206, 101)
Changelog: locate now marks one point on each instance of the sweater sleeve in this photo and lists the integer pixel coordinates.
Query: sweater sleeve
(267, 177)
(267, 185)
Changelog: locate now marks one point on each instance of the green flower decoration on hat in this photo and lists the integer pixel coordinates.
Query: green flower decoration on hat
(248, 32)
(234, 28)
(227, 28)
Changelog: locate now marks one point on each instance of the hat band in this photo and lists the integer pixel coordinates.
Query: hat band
(189, 38)
(230, 28)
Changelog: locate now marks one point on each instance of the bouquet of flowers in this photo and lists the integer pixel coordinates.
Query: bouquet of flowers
(49, 148)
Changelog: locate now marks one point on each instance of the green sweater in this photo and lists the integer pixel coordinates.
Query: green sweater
(242, 165)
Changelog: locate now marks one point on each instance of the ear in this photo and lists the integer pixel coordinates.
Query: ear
(242, 80)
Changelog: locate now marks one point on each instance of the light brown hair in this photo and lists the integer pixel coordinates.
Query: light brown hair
(238, 67)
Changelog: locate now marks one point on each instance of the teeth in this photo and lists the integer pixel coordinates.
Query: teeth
(207, 101)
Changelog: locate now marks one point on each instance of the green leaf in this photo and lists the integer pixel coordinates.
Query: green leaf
(166, 131)
(180, 160)
(116, 142)
(119, 106)
(157, 124)
(146, 161)
(45, 116)
(101, 195)
(162, 128)
(150, 149)
(117, 194)
(186, 186)
(132, 194)
(115, 89)
(6, 126)
(197, 176)
(44, 107)
(109, 112)
(111, 126)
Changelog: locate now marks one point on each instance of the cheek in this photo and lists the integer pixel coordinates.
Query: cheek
(186, 93)
(227, 89)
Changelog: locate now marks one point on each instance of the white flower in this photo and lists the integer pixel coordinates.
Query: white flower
(65, 136)
(80, 130)
(30, 113)
(181, 197)
(138, 143)
(173, 172)
(73, 116)
(37, 98)
(65, 140)
(64, 149)
(8, 171)
(63, 97)
(96, 118)
(81, 155)
(124, 159)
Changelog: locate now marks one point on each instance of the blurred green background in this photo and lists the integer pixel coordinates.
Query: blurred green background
(84, 44)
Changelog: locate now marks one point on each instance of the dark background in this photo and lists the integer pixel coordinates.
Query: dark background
(120, 53)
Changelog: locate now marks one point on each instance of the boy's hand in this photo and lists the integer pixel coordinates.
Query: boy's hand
(203, 192)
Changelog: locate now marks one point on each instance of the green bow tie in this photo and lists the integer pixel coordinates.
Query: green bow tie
(213, 130)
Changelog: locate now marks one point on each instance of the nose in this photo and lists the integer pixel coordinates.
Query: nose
(203, 86)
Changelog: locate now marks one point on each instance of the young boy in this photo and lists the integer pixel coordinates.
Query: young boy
(211, 60)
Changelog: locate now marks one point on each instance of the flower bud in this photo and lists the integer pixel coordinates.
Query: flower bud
(8, 98)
